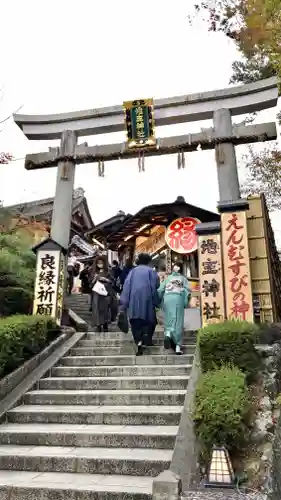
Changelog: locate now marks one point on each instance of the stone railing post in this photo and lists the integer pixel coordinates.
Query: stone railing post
(167, 486)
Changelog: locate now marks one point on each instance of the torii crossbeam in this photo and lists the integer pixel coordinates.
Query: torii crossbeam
(218, 105)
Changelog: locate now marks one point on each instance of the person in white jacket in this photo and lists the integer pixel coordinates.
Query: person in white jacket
(71, 262)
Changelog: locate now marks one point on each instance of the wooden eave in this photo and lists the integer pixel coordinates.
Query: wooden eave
(103, 229)
(154, 215)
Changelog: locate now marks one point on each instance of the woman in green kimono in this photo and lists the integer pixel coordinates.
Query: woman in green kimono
(174, 294)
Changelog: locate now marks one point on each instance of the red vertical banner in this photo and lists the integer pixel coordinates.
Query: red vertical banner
(236, 264)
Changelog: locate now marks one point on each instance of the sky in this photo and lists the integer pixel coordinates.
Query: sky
(59, 56)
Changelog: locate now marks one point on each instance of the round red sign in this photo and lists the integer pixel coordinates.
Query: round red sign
(181, 236)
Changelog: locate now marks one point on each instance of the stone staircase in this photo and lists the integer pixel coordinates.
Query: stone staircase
(79, 303)
(100, 426)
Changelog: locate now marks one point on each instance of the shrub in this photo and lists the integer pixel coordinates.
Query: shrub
(21, 337)
(15, 300)
(222, 405)
(230, 342)
(17, 274)
(269, 334)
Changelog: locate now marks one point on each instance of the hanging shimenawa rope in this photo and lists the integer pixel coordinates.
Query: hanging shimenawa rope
(189, 146)
(101, 168)
(181, 160)
(141, 161)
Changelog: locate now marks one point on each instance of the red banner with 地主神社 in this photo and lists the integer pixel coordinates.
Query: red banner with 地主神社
(236, 263)
(181, 236)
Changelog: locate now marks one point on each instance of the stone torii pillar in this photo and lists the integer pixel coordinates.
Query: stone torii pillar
(227, 171)
(62, 210)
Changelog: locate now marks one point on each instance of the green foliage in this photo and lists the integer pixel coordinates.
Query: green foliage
(254, 25)
(230, 342)
(255, 28)
(17, 262)
(222, 406)
(17, 274)
(15, 300)
(251, 69)
(269, 334)
(21, 337)
(264, 175)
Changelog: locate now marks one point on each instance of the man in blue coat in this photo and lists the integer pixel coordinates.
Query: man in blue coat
(140, 298)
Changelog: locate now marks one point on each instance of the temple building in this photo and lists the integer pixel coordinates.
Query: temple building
(33, 219)
(165, 231)
(146, 232)
(98, 235)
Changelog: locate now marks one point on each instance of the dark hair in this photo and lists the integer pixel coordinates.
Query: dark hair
(144, 259)
(103, 258)
(162, 268)
(180, 264)
(115, 263)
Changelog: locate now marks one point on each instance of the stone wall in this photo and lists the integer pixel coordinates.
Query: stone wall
(266, 435)
(185, 458)
(276, 465)
(208, 494)
(275, 473)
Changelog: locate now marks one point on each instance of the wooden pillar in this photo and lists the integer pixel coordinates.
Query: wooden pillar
(236, 260)
(210, 273)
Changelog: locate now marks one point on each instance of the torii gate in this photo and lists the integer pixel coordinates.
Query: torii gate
(219, 105)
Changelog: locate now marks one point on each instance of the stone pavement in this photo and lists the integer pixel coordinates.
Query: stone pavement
(101, 425)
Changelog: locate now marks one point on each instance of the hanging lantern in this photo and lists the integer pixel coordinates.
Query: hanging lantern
(220, 474)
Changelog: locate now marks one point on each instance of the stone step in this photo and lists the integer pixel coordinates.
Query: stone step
(77, 297)
(15, 485)
(106, 415)
(159, 329)
(107, 398)
(127, 360)
(83, 302)
(82, 305)
(121, 371)
(85, 313)
(127, 342)
(102, 436)
(137, 462)
(114, 383)
(130, 349)
(77, 300)
(117, 335)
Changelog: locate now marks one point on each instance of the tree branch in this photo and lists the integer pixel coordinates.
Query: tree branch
(11, 115)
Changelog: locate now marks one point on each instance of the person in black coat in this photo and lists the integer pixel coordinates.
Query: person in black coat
(84, 277)
(116, 273)
(102, 304)
(125, 271)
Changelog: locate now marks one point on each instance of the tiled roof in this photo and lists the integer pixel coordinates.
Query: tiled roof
(44, 207)
(86, 247)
